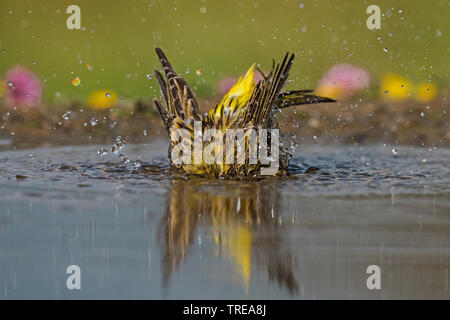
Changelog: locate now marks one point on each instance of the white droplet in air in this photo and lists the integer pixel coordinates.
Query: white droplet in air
(394, 152)
(66, 115)
(203, 10)
(102, 151)
(137, 164)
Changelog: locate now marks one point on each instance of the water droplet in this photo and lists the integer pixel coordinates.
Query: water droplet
(385, 50)
(203, 10)
(76, 81)
(124, 158)
(394, 152)
(118, 146)
(149, 76)
(94, 121)
(137, 164)
(108, 94)
(66, 115)
(102, 151)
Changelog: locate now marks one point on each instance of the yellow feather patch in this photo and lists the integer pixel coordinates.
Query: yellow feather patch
(238, 96)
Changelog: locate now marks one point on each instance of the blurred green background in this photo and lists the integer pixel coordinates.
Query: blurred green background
(219, 38)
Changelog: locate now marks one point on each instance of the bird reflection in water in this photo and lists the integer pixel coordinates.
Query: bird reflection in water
(244, 223)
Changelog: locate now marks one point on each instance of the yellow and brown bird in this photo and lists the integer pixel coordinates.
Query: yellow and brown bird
(247, 106)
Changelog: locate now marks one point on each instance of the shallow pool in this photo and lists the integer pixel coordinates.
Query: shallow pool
(139, 231)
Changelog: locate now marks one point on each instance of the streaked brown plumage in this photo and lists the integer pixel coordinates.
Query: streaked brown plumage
(246, 106)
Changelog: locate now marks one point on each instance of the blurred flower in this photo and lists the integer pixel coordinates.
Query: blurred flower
(226, 83)
(342, 81)
(102, 99)
(23, 88)
(395, 87)
(426, 92)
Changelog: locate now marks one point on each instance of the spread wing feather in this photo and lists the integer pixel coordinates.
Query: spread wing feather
(298, 97)
(179, 97)
(266, 92)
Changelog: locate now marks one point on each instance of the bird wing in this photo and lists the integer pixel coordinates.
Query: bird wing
(298, 97)
(266, 92)
(181, 103)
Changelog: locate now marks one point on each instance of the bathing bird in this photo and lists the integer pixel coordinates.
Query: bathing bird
(198, 142)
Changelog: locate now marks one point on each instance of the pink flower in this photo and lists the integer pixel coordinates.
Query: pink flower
(23, 87)
(342, 81)
(225, 85)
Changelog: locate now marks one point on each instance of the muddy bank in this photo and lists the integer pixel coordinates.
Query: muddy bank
(403, 123)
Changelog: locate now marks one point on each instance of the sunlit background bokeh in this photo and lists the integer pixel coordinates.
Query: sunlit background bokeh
(209, 40)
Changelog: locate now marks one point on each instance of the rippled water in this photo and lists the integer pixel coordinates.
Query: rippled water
(143, 232)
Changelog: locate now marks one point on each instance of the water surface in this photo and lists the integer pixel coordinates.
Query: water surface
(143, 232)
